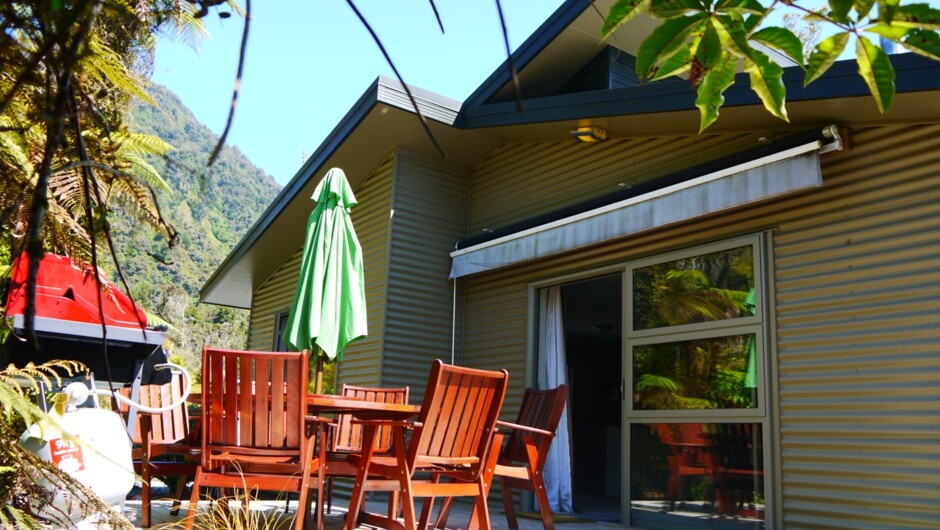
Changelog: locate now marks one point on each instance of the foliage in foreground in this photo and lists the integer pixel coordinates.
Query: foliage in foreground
(707, 39)
(239, 512)
(26, 481)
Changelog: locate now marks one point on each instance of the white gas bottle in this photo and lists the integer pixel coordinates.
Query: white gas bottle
(101, 459)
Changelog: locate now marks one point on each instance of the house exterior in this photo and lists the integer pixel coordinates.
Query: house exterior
(751, 315)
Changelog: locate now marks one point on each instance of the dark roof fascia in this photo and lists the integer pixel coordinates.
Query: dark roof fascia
(914, 74)
(650, 186)
(352, 119)
(528, 50)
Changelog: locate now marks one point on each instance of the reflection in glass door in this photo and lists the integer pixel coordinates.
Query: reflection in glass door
(695, 374)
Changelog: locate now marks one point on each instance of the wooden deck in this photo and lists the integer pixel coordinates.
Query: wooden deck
(271, 515)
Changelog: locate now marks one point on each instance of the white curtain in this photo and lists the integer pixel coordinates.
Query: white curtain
(552, 371)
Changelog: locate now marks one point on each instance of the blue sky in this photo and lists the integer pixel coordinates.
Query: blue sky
(308, 61)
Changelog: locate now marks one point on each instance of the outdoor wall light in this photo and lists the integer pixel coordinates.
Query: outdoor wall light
(589, 134)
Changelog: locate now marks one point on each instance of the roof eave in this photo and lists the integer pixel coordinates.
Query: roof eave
(222, 288)
(914, 74)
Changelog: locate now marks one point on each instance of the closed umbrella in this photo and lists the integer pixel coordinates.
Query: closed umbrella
(329, 309)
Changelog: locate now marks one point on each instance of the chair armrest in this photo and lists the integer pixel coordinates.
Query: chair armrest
(388, 423)
(525, 428)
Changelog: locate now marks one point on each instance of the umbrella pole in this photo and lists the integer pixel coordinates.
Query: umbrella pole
(318, 382)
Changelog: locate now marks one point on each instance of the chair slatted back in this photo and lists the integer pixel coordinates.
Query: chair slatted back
(163, 428)
(348, 437)
(458, 417)
(540, 409)
(254, 405)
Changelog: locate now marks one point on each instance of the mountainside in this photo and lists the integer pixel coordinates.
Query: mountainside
(210, 209)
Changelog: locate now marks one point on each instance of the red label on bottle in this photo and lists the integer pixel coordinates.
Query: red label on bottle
(66, 455)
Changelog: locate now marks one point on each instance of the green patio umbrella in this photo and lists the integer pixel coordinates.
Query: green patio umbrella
(329, 309)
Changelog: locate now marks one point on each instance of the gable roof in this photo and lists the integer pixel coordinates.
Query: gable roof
(383, 119)
(358, 144)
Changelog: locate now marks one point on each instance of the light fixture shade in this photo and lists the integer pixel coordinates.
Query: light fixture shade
(589, 134)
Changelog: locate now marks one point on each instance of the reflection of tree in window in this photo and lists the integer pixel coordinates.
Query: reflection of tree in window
(701, 373)
(701, 288)
(693, 374)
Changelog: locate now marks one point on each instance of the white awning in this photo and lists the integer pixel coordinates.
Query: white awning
(763, 178)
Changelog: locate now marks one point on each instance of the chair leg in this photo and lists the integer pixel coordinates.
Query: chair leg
(508, 504)
(441, 521)
(393, 506)
(542, 497)
(178, 496)
(480, 518)
(303, 506)
(329, 495)
(427, 506)
(145, 494)
(193, 501)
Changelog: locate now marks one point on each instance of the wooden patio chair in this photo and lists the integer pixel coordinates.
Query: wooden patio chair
(254, 426)
(165, 444)
(689, 453)
(452, 437)
(345, 437)
(522, 460)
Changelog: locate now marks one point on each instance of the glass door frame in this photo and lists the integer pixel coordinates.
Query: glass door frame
(758, 324)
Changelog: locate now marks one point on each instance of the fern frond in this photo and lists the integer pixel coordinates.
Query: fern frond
(146, 173)
(68, 191)
(140, 144)
(136, 200)
(14, 155)
(186, 28)
(105, 62)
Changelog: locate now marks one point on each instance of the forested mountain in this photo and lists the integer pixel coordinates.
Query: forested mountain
(211, 210)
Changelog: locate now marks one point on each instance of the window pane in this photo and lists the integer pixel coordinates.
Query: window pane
(708, 373)
(697, 475)
(705, 288)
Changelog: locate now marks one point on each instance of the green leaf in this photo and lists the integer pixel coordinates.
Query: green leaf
(875, 68)
(924, 42)
(766, 82)
(751, 23)
(863, 7)
(781, 39)
(675, 8)
(708, 48)
(621, 12)
(678, 63)
(710, 92)
(889, 31)
(740, 7)
(886, 9)
(839, 10)
(733, 35)
(665, 41)
(826, 53)
(920, 16)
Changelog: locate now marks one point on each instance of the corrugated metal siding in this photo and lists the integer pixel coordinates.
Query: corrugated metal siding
(523, 180)
(496, 333)
(857, 304)
(430, 215)
(273, 297)
(361, 363)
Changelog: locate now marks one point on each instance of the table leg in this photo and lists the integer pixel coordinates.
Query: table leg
(358, 494)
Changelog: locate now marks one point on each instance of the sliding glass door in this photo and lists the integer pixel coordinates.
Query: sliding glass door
(694, 367)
